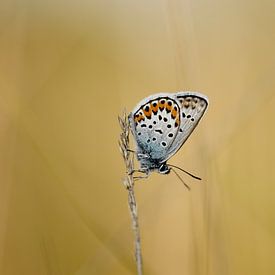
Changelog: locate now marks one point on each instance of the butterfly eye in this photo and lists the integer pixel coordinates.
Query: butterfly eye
(164, 169)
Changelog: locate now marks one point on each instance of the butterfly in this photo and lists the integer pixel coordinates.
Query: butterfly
(161, 123)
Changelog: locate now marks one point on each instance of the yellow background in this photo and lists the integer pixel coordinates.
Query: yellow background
(67, 69)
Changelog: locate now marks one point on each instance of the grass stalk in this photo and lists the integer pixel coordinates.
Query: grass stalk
(128, 182)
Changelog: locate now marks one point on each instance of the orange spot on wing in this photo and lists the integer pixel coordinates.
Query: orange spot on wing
(148, 112)
(161, 105)
(155, 108)
(169, 108)
(186, 104)
(138, 118)
(141, 117)
(174, 113)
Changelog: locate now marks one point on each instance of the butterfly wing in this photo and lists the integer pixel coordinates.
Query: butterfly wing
(192, 107)
(155, 123)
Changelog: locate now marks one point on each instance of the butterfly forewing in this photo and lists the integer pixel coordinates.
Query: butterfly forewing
(192, 107)
(156, 124)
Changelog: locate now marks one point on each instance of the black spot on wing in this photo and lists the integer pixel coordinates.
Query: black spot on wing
(159, 131)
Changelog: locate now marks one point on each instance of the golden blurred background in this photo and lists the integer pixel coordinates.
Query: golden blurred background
(67, 69)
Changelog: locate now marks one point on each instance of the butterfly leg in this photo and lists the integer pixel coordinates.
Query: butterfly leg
(141, 177)
(144, 171)
(131, 151)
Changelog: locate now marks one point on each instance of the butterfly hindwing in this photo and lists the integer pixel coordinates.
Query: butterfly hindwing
(156, 123)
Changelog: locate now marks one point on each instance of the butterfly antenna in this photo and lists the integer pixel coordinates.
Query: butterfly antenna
(193, 176)
(181, 179)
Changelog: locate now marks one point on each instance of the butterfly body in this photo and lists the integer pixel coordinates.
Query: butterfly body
(161, 123)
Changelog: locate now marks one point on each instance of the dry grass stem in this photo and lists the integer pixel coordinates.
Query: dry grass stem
(129, 184)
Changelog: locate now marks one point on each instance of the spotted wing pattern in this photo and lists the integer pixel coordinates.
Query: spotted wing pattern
(192, 107)
(156, 123)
